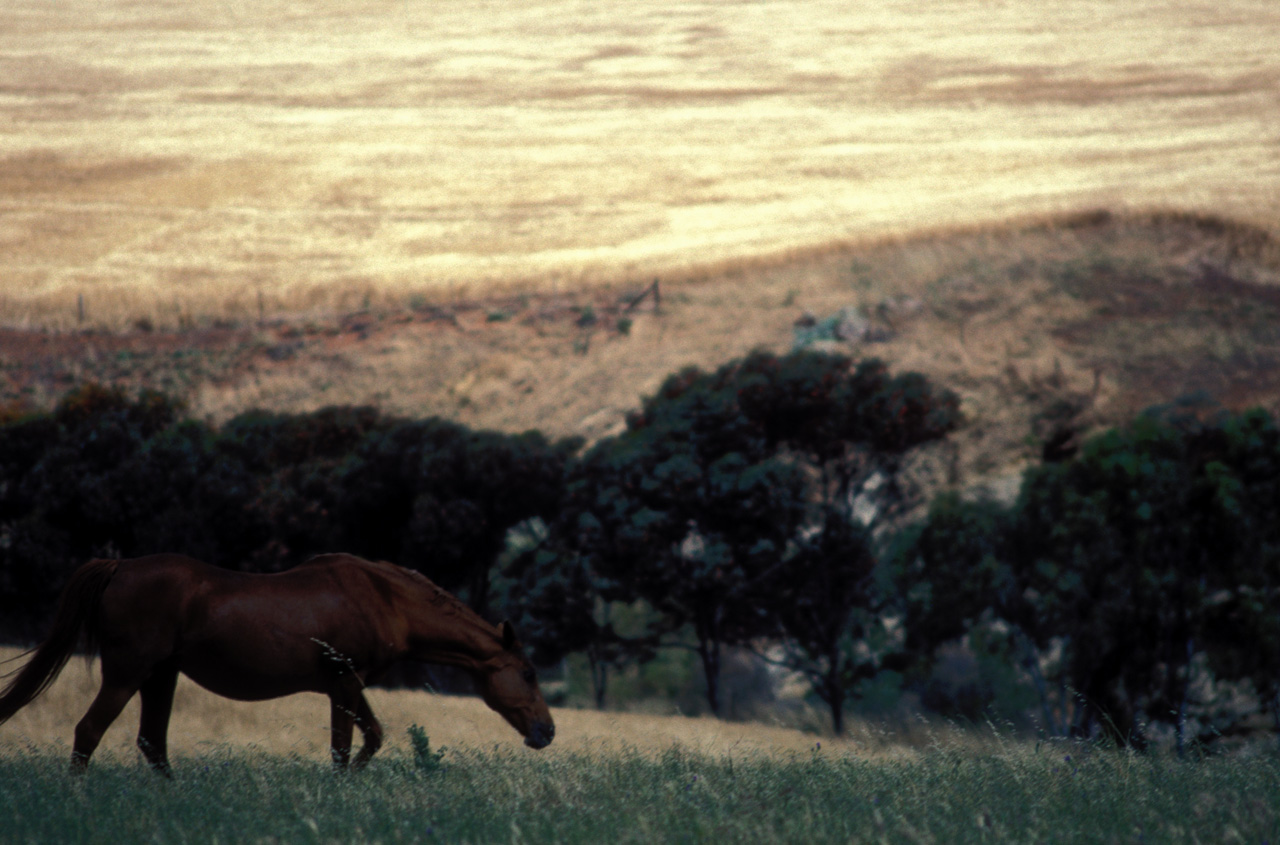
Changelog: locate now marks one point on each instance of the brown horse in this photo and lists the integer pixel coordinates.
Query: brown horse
(329, 625)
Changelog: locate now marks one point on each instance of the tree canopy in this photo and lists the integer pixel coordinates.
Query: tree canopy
(730, 495)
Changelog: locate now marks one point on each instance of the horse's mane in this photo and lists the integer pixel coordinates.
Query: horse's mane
(441, 599)
(437, 595)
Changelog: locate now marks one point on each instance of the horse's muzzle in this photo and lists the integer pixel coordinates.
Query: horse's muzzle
(540, 735)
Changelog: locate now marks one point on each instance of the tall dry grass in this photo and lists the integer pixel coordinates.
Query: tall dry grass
(299, 725)
(188, 161)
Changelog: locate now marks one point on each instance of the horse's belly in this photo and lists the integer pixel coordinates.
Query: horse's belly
(248, 681)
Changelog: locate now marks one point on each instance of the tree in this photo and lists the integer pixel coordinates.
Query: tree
(1123, 549)
(850, 428)
(292, 466)
(703, 505)
(106, 474)
(1242, 636)
(831, 614)
(687, 510)
(691, 528)
(76, 484)
(561, 605)
(1121, 578)
(952, 574)
(435, 496)
(850, 424)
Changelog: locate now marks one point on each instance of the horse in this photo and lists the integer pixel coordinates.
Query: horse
(329, 625)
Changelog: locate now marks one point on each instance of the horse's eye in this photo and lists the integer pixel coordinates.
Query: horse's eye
(529, 676)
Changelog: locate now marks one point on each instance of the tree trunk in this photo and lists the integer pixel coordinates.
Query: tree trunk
(480, 591)
(1184, 693)
(1275, 712)
(599, 677)
(1031, 662)
(835, 692)
(709, 651)
(706, 626)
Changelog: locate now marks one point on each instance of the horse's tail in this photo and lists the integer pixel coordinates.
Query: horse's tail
(77, 613)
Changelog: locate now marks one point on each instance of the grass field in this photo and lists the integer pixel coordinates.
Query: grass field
(1007, 793)
(259, 772)
(180, 161)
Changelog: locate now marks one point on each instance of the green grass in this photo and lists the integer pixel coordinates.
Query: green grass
(1013, 793)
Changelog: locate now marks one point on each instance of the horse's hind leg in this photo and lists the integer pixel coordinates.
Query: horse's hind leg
(348, 708)
(341, 722)
(111, 699)
(157, 704)
(371, 729)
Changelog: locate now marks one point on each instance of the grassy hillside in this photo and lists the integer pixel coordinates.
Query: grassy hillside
(1063, 326)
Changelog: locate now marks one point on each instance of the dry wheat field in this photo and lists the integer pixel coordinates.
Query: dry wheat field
(208, 158)
(299, 725)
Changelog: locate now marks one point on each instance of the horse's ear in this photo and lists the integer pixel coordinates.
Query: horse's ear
(508, 632)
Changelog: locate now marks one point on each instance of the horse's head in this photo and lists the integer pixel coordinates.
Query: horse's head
(508, 684)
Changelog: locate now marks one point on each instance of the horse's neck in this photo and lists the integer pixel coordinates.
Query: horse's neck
(444, 630)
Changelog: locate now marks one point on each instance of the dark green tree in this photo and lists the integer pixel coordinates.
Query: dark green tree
(1119, 578)
(440, 498)
(850, 427)
(831, 612)
(561, 605)
(89, 479)
(707, 506)
(952, 570)
(1122, 550)
(291, 464)
(694, 531)
(956, 585)
(1242, 635)
(851, 424)
(109, 474)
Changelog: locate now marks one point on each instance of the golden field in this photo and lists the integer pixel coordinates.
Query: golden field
(299, 725)
(195, 160)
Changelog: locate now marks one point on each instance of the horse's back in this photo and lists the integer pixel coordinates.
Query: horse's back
(157, 582)
(248, 635)
(170, 584)
(149, 597)
(172, 579)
